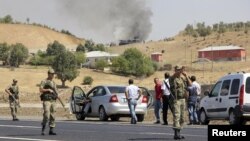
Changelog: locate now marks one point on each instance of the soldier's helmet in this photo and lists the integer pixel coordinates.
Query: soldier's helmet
(178, 67)
(14, 80)
(51, 71)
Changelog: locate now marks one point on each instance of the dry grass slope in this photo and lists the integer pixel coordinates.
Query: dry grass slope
(35, 37)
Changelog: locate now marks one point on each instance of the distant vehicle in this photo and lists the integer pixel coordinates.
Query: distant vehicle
(107, 102)
(131, 41)
(229, 99)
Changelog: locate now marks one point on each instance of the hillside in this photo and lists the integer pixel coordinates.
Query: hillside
(35, 37)
(183, 50)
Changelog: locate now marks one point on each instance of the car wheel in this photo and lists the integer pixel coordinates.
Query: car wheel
(80, 116)
(233, 119)
(115, 118)
(140, 118)
(102, 114)
(203, 117)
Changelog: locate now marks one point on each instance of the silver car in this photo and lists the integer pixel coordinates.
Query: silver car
(107, 102)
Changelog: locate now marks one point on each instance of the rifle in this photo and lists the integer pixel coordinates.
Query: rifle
(56, 96)
(17, 102)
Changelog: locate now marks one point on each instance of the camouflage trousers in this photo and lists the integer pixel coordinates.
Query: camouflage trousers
(179, 113)
(13, 108)
(49, 110)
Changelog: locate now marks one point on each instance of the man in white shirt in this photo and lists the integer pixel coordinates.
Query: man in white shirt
(198, 89)
(165, 87)
(197, 85)
(132, 93)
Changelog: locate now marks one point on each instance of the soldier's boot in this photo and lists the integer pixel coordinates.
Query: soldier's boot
(179, 134)
(43, 129)
(176, 135)
(51, 132)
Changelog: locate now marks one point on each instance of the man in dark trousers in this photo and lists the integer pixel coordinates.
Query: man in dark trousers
(165, 97)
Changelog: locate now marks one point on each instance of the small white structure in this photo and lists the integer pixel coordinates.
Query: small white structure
(93, 56)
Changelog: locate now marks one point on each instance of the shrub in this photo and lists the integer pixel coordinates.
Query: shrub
(87, 80)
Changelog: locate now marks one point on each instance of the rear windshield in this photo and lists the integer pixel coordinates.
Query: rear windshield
(248, 85)
(116, 90)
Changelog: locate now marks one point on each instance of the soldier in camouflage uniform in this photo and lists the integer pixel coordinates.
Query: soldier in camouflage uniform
(47, 89)
(178, 86)
(13, 92)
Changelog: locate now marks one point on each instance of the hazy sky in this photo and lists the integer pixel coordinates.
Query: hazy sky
(168, 16)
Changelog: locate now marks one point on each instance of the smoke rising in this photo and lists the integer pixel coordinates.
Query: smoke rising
(109, 20)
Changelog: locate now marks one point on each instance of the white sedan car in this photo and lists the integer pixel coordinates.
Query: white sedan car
(107, 101)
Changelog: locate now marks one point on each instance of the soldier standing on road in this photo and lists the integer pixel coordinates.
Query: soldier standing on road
(49, 102)
(13, 92)
(178, 87)
(132, 93)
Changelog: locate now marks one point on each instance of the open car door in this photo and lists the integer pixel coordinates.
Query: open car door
(149, 96)
(77, 100)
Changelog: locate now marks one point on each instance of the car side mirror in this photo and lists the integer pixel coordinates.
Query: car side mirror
(206, 93)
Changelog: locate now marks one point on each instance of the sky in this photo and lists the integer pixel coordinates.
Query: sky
(167, 19)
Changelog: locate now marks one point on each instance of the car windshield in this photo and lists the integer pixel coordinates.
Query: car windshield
(116, 89)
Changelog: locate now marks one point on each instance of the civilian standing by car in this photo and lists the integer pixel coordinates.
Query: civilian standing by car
(198, 89)
(165, 98)
(178, 86)
(158, 96)
(192, 102)
(132, 93)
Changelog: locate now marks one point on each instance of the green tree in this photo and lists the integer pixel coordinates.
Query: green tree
(80, 58)
(189, 30)
(55, 48)
(89, 45)
(4, 52)
(133, 62)
(18, 54)
(87, 80)
(65, 65)
(99, 47)
(80, 48)
(222, 28)
(101, 64)
(120, 65)
(7, 19)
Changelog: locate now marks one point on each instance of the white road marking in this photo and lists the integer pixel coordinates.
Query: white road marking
(19, 126)
(25, 139)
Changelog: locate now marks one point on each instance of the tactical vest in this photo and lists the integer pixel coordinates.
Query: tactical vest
(47, 96)
(14, 91)
(178, 87)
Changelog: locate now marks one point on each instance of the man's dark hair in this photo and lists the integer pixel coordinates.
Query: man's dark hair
(130, 81)
(193, 78)
(166, 75)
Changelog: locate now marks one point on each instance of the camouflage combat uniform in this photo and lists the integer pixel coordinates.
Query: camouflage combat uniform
(49, 103)
(178, 89)
(14, 90)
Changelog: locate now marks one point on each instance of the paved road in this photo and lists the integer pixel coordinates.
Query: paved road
(94, 130)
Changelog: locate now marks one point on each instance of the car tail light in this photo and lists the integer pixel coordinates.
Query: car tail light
(241, 95)
(144, 99)
(113, 98)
